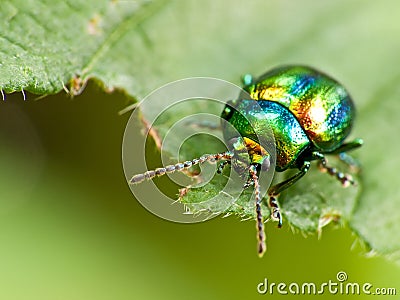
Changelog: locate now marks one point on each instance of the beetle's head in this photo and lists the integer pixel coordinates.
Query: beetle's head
(247, 152)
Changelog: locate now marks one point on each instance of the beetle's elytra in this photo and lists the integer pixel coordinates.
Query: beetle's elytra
(310, 115)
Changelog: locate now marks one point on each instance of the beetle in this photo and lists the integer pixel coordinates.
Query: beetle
(310, 115)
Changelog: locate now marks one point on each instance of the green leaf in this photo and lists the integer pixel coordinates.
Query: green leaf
(318, 199)
(47, 44)
(377, 217)
(139, 45)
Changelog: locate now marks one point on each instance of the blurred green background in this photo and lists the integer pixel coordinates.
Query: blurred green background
(71, 229)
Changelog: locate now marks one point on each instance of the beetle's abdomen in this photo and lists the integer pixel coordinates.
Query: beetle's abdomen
(257, 120)
(322, 106)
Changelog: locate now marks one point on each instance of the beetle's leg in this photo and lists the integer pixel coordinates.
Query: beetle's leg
(278, 188)
(222, 165)
(275, 211)
(261, 247)
(275, 190)
(345, 179)
(346, 158)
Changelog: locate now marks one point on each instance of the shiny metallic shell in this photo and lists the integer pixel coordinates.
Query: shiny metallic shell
(305, 109)
(321, 105)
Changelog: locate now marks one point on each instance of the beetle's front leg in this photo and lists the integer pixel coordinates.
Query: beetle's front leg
(274, 191)
(222, 166)
(275, 211)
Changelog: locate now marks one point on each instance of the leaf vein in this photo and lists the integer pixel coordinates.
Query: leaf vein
(119, 30)
(12, 42)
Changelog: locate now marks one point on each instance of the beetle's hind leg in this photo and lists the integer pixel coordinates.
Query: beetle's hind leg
(342, 154)
(275, 190)
(345, 179)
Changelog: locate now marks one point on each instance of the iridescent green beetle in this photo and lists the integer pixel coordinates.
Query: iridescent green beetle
(310, 115)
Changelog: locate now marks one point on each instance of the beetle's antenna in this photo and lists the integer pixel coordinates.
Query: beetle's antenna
(180, 166)
(260, 224)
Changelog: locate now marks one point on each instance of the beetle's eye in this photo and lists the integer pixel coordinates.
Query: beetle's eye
(228, 111)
